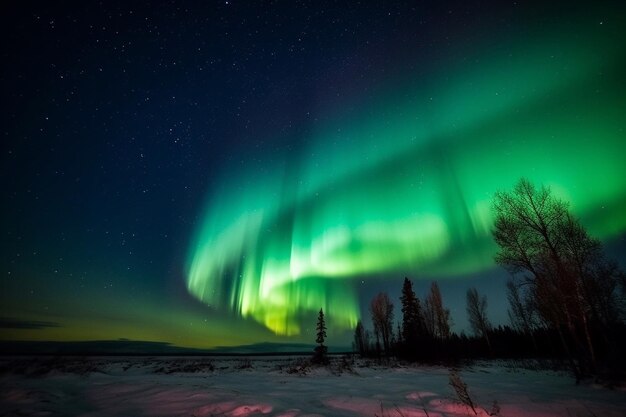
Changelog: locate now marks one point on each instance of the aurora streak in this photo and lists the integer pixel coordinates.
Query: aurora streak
(400, 182)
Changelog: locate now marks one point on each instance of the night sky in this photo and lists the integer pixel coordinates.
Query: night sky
(211, 174)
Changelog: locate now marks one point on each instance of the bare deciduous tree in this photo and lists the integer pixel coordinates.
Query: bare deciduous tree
(437, 318)
(570, 282)
(477, 315)
(382, 319)
(522, 312)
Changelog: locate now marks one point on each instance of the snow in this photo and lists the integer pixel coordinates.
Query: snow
(286, 387)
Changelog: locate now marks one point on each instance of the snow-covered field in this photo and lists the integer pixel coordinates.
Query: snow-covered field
(285, 386)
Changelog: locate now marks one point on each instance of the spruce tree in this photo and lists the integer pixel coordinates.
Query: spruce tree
(320, 350)
(359, 338)
(412, 320)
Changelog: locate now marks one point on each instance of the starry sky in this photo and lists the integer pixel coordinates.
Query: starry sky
(211, 174)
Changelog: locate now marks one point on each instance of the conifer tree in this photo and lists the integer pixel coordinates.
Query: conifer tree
(412, 319)
(359, 338)
(320, 350)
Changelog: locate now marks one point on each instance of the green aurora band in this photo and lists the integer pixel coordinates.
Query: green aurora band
(401, 183)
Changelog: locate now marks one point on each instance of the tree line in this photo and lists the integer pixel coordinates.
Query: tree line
(566, 299)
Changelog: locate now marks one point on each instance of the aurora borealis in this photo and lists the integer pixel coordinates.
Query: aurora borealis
(213, 176)
(387, 192)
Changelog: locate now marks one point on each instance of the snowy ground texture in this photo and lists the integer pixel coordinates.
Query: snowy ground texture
(287, 387)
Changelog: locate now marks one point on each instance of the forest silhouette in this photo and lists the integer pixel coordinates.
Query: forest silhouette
(566, 299)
